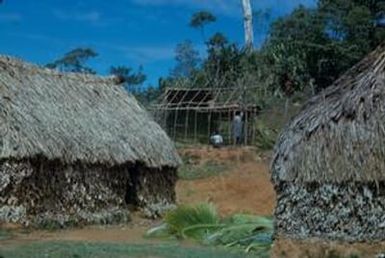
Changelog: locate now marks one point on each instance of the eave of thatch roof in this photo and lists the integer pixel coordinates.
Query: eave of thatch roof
(339, 135)
(75, 117)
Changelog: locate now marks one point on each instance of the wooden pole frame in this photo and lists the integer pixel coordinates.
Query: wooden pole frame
(208, 101)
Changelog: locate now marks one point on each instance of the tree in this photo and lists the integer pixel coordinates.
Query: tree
(131, 80)
(200, 20)
(355, 20)
(298, 49)
(248, 24)
(75, 61)
(217, 41)
(352, 28)
(187, 59)
(223, 64)
(318, 45)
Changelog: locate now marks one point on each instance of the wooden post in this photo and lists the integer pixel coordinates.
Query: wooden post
(246, 127)
(254, 127)
(220, 121)
(186, 125)
(195, 126)
(229, 136)
(209, 126)
(175, 122)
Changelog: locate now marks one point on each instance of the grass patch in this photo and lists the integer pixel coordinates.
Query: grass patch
(190, 171)
(100, 250)
(5, 234)
(193, 168)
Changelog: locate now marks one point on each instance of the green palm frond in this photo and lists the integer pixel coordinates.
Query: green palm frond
(259, 221)
(255, 246)
(161, 231)
(186, 216)
(202, 223)
(200, 231)
(230, 234)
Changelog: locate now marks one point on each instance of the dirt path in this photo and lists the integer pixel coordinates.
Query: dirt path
(131, 233)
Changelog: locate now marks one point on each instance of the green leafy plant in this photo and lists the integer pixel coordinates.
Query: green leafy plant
(192, 221)
(265, 137)
(202, 223)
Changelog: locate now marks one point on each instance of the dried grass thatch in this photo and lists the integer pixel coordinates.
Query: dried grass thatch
(339, 136)
(75, 118)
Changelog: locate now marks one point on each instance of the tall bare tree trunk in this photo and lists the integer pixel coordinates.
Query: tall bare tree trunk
(248, 24)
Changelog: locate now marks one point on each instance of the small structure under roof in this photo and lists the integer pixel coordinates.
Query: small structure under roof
(192, 114)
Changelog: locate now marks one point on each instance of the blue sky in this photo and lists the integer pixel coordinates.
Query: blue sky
(123, 32)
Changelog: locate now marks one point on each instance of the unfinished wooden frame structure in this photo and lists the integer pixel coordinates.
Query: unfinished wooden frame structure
(191, 115)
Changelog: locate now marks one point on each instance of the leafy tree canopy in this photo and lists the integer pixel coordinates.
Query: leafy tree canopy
(201, 19)
(75, 61)
(131, 80)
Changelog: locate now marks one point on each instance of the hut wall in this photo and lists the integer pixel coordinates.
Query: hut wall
(45, 193)
(153, 190)
(335, 211)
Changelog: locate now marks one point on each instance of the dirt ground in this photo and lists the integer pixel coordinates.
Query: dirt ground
(315, 248)
(244, 188)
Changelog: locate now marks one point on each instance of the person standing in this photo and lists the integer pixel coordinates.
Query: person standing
(237, 127)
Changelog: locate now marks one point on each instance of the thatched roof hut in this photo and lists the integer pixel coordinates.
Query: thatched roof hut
(329, 163)
(81, 129)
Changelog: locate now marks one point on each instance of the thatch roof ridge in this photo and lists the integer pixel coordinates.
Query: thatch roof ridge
(14, 62)
(75, 117)
(338, 135)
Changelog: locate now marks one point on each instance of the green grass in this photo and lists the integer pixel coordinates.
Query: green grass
(87, 250)
(208, 169)
(192, 168)
(5, 234)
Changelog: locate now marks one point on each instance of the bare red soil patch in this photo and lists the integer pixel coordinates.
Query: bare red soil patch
(246, 188)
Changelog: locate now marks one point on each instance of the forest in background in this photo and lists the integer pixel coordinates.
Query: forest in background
(303, 53)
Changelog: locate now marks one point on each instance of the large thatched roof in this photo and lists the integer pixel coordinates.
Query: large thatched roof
(75, 117)
(340, 134)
